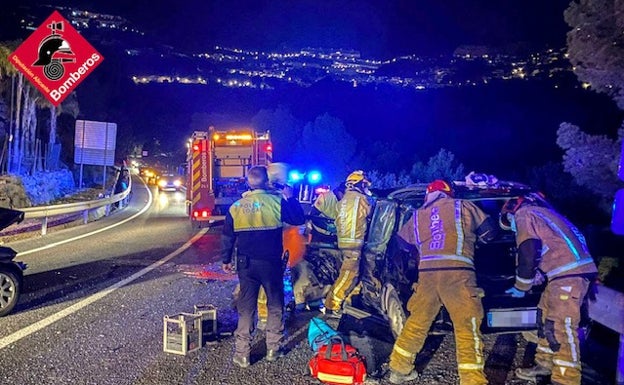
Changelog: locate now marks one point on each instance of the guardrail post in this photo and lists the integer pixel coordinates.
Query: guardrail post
(107, 210)
(85, 217)
(608, 309)
(619, 375)
(44, 226)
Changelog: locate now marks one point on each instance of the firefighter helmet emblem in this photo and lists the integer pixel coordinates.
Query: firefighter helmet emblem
(53, 52)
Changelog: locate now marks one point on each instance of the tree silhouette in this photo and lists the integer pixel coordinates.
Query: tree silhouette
(7, 69)
(592, 160)
(325, 144)
(388, 180)
(596, 45)
(285, 131)
(440, 166)
(561, 190)
(385, 157)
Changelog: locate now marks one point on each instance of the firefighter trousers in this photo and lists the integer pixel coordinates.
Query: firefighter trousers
(267, 274)
(559, 313)
(457, 290)
(346, 281)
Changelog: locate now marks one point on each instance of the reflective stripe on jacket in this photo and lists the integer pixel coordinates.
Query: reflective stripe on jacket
(446, 232)
(327, 204)
(352, 220)
(257, 210)
(563, 247)
(254, 223)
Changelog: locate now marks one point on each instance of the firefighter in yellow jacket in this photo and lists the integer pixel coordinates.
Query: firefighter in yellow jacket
(351, 226)
(551, 248)
(324, 211)
(444, 231)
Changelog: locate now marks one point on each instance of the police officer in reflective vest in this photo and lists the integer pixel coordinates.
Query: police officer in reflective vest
(444, 231)
(254, 223)
(551, 248)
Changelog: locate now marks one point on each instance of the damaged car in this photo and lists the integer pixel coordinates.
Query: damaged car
(388, 271)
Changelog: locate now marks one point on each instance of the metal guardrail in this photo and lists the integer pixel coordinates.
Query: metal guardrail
(608, 310)
(46, 212)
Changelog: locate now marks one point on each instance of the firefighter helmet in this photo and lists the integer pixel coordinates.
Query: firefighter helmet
(258, 177)
(50, 46)
(357, 179)
(440, 185)
(278, 174)
(509, 209)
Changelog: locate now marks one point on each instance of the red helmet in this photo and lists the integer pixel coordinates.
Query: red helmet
(510, 207)
(440, 185)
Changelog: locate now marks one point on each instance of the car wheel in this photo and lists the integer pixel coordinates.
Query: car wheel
(9, 291)
(394, 311)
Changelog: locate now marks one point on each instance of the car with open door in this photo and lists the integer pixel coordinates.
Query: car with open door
(395, 270)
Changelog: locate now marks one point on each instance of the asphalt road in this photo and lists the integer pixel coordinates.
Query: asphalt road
(95, 297)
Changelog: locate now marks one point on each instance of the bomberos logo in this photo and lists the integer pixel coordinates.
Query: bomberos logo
(56, 58)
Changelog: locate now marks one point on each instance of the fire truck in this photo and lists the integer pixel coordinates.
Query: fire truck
(217, 164)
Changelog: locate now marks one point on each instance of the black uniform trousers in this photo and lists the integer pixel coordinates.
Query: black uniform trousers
(253, 273)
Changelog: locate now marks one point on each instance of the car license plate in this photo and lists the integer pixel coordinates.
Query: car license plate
(512, 318)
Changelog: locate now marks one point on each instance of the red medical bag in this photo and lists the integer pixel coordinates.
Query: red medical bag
(338, 363)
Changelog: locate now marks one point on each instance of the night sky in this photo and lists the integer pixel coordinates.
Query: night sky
(462, 120)
(377, 28)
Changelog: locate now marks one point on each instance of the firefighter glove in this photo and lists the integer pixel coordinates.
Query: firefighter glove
(515, 292)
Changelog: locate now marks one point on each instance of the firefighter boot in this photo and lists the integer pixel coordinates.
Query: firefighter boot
(261, 324)
(398, 378)
(534, 373)
(274, 354)
(242, 361)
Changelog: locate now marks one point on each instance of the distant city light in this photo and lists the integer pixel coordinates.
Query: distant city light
(250, 68)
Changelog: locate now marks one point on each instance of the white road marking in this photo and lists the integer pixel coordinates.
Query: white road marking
(18, 335)
(51, 245)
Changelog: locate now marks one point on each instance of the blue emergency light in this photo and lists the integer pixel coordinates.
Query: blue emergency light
(314, 177)
(295, 176)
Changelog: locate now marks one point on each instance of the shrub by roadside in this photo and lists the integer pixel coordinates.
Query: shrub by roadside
(35, 190)
(12, 192)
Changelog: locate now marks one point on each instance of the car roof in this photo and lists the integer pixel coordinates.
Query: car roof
(462, 190)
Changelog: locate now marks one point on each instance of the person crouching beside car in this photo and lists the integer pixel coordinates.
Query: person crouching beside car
(444, 231)
(551, 248)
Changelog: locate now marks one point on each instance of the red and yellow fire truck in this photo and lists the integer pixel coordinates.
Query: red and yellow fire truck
(217, 166)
